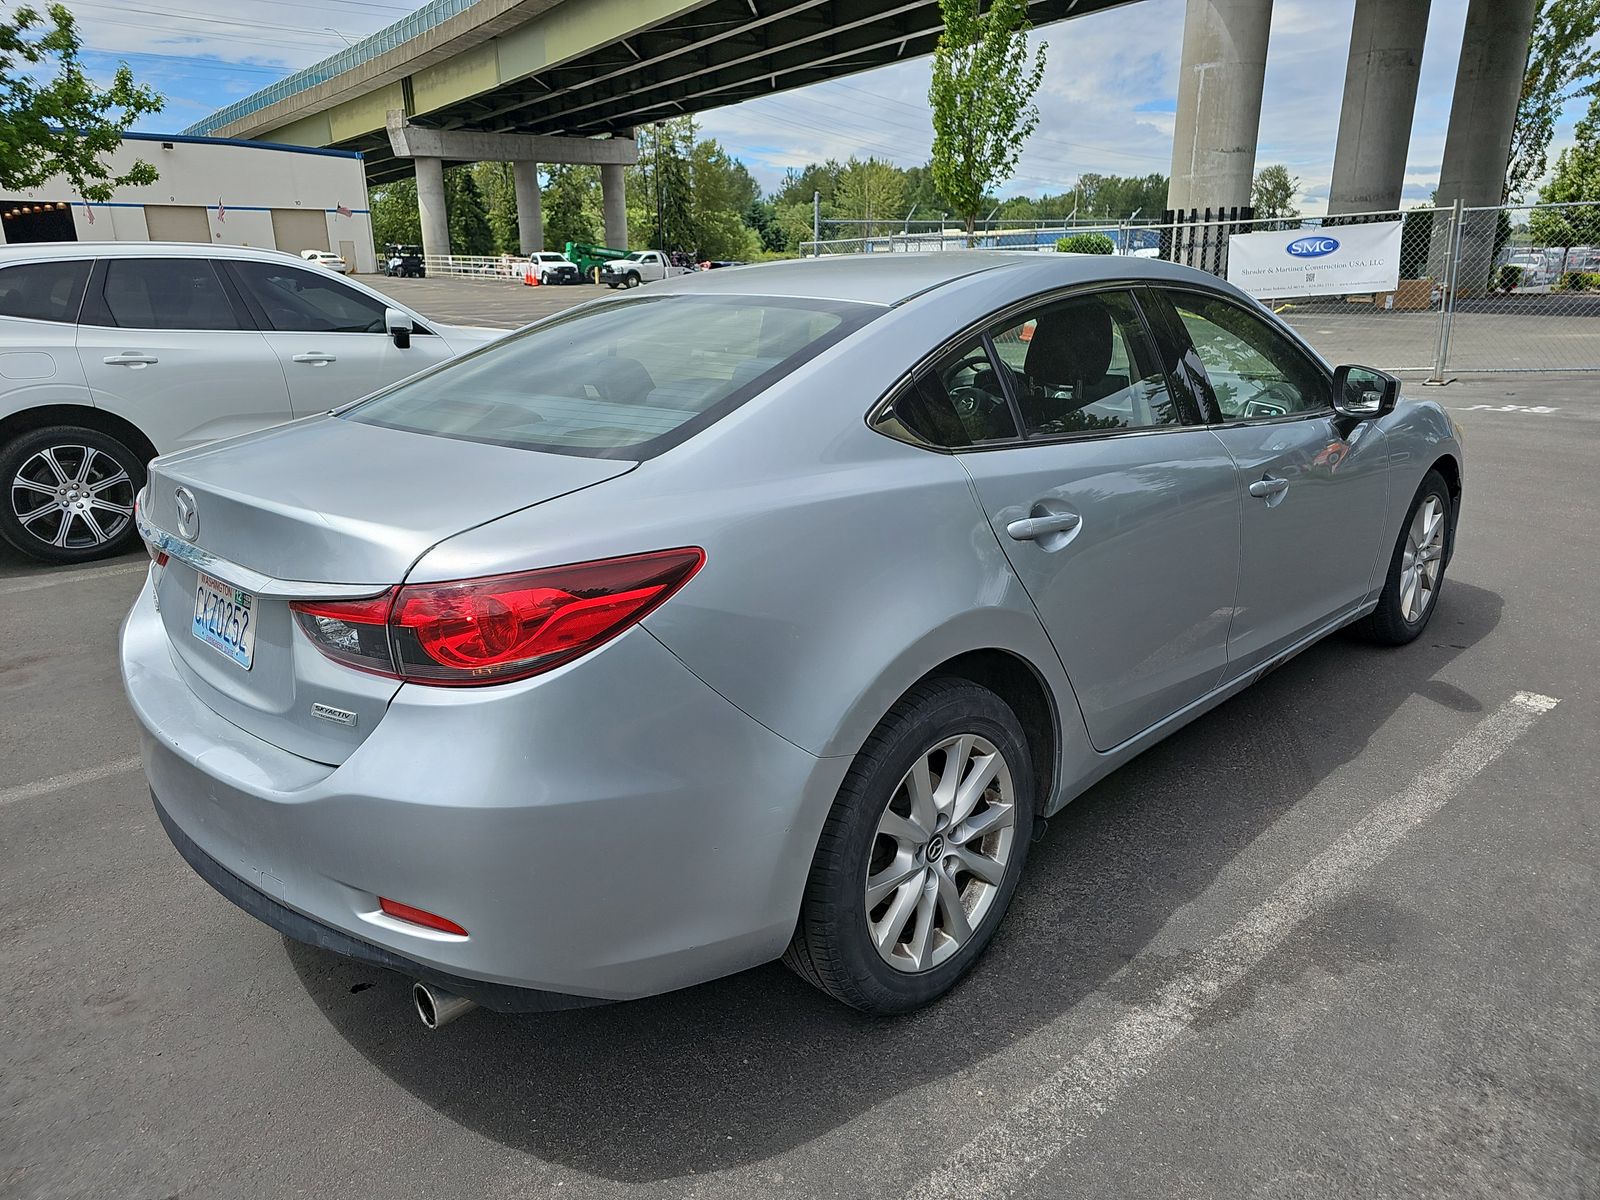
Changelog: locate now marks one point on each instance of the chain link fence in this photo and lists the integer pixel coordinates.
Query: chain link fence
(1505, 289)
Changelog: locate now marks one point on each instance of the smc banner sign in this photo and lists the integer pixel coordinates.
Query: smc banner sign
(1344, 260)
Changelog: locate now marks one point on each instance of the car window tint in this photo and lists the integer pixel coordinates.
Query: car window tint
(1082, 365)
(1254, 370)
(295, 300)
(624, 378)
(49, 291)
(166, 293)
(958, 401)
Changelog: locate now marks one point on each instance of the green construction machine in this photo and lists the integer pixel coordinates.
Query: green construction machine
(588, 256)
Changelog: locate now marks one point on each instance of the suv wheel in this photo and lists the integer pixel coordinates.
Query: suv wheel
(68, 494)
(922, 851)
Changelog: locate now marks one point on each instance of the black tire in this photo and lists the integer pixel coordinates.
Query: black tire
(612, 284)
(1388, 624)
(831, 948)
(73, 449)
(632, 280)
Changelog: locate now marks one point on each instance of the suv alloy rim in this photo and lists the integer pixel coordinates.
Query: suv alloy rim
(939, 853)
(72, 497)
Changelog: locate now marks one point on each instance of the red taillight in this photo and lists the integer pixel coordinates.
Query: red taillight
(478, 631)
(419, 916)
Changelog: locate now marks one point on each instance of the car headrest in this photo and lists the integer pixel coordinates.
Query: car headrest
(1070, 345)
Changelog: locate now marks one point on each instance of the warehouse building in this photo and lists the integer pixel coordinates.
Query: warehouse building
(214, 190)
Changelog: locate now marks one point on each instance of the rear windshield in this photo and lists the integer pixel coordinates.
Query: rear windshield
(626, 379)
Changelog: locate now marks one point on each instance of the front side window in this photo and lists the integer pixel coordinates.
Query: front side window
(166, 293)
(1082, 365)
(619, 380)
(295, 300)
(1254, 371)
(47, 291)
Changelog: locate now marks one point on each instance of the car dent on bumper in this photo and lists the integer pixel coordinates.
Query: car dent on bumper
(613, 829)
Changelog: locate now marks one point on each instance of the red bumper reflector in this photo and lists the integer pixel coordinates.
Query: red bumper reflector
(417, 916)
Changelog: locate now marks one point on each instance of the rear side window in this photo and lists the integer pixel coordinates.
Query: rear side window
(620, 380)
(295, 300)
(1082, 365)
(958, 401)
(166, 293)
(49, 291)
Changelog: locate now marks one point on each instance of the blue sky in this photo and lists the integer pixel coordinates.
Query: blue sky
(1106, 106)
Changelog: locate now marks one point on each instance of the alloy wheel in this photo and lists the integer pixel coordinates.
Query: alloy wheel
(1422, 561)
(72, 497)
(939, 853)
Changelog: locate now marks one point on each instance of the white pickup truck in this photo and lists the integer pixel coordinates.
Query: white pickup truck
(642, 266)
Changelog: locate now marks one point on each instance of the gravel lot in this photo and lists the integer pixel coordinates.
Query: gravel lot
(1336, 938)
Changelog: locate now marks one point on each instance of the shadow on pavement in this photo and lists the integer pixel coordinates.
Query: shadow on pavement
(736, 1071)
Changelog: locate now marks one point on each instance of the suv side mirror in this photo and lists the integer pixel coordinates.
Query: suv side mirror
(399, 326)
(1364, 392)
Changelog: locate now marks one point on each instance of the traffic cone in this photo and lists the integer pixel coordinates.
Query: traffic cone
(529, 279)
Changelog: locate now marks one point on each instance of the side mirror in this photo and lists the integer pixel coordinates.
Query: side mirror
(399, 326)
(1364, 392)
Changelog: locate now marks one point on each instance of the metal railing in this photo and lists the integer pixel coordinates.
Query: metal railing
(425, 18)
(1511, 288)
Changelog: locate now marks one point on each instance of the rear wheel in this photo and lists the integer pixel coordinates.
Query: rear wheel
(1416, 569)
(922, 851)
(69, 494)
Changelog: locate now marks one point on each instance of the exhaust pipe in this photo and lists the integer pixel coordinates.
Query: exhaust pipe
(437, 1007)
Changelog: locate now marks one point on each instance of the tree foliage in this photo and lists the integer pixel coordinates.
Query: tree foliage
(395, 219)
(1086, 243)
(467, 214)
(1563, 63)
(1576, 179)
(54, 119)
(1275, 191)
(571, 205)
(499, 191)
(981, 95)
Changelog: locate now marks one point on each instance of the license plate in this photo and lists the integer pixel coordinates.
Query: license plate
(225, 617)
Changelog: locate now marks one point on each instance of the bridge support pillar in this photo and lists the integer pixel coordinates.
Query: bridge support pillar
(1477, 144)
(530, 221)
(1219, 103)
(614, 205)
(430, 206)
(1380, 96)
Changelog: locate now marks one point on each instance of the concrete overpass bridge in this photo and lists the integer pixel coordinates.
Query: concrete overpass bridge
(530, 81)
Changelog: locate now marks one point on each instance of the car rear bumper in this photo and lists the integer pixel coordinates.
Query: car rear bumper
(610, 830)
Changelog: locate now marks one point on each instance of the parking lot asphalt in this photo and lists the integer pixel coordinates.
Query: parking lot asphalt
(1336, 938)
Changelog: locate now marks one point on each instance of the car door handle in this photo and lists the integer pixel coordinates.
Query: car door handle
(1264, 488)
(1029, 528)
(130, 359)
(316, 358)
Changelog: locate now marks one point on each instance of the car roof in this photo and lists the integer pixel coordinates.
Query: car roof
(893, 278)
(35, 251)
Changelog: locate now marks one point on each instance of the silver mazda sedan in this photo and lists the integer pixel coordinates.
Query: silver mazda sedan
(765, 614)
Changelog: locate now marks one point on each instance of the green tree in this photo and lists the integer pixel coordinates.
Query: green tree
(394, 214)
(571, 205)
(1275, 191)
(1086, 243)
(872, 191)
(467, 214)
(1563, 63)
(54, 119)
(981, 94)
(1575, 180)
(499, 193)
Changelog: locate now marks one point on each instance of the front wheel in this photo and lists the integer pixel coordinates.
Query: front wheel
(69, 494)
(612, 284)
(921, 854)
(1416, 568)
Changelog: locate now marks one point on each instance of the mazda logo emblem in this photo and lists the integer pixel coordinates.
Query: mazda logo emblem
(188, 514)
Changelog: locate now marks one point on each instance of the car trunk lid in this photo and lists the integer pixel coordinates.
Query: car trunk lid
(318, 508)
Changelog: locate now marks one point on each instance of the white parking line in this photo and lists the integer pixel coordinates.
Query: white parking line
(40, 787)
(32, 583)
(1062, 1108)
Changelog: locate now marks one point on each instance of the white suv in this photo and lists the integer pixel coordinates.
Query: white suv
(113, 352)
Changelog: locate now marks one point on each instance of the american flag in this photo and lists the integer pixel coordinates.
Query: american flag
(222, 213)
(343, 211)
